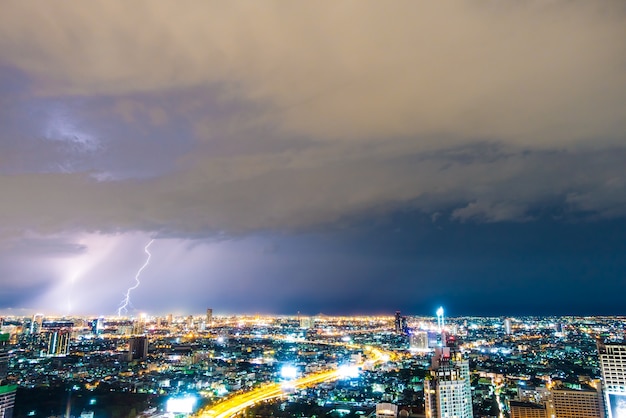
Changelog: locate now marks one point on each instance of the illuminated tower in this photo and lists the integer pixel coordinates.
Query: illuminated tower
(447, 391)
(612, 358)
(440, 322)
(7, 391)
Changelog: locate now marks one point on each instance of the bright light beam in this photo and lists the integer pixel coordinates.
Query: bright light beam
(126, 301)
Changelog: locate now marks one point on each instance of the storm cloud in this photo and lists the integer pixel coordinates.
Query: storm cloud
(209, 120)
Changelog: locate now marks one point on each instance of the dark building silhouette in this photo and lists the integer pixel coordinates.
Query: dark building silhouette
(138, 348)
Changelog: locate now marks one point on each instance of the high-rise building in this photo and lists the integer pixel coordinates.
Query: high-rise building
(419, 341)
(137, 348)
(36, 323)
(7, 391)
(57, 342)
(306, 322)
(612, 358)
(508, 326)
(447, 391)
(209, 316)
(576, 403)
(400, 324)
(397, 323)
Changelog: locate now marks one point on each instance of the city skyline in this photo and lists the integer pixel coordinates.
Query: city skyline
(351, 158)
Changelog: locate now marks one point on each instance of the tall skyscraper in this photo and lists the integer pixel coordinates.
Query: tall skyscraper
(397, 323)
(209, 316)
(57, 342)
(448, 392)
(612, 358)
(35, 324)
(508, 326)
(7, 391)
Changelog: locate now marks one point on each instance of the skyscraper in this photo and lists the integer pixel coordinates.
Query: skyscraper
(397, 323)
(209, 316)
(447, 391)
(35, 324)
(419, 341)
(612, 358)
(7, 391)
(508, 326)
(57, 342)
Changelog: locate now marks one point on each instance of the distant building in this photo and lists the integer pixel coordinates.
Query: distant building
(209, 316)
(36, 323)
(447, 391)
(508, 326)
(400, 324)
(434, 339)
(419, 341)
(7, 391)
(306, 322)
(137, 348)
(612, 358)
(397, 323)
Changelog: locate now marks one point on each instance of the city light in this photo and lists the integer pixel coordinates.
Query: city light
(349, 371)
(183, 405)
(288, 372)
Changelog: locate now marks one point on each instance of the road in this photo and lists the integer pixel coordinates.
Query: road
(238, 403)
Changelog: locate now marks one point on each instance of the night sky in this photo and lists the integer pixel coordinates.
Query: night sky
(337, 158)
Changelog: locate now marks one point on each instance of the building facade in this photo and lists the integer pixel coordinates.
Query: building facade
(447, 391)
(521, 409)
(577, 403)
(612, 358)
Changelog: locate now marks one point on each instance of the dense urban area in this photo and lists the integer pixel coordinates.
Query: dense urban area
(396, 365)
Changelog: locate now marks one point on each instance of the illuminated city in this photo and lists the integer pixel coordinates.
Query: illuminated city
(343, 209)
(221, 366)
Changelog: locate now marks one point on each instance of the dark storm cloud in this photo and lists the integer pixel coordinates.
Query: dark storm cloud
(211, 121)
(338, 110)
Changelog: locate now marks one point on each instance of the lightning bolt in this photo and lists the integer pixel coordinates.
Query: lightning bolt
(126, 301)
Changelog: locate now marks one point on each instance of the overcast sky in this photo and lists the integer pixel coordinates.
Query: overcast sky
(351, 156)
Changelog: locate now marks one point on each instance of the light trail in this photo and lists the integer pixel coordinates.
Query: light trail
(126, 301)
(238, 403)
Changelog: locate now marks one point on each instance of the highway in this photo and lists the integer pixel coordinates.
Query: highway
(238, 403)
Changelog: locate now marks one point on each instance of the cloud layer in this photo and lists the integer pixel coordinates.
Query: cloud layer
(202, 117)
